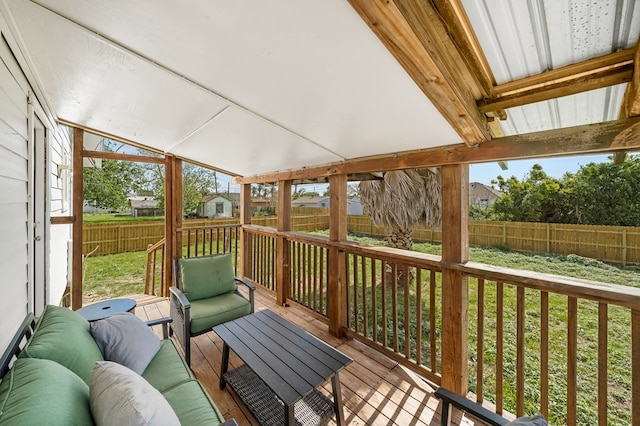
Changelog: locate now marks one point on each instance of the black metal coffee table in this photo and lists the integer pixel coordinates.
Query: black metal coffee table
(283, 367)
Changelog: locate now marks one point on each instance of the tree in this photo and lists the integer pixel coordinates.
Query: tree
(607, 193)
(108, 186)
(401, 200)
(196, 182)
(537, 198)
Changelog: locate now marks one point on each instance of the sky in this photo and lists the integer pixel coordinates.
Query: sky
(554, 167)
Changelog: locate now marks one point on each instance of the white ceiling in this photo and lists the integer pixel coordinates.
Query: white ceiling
(248, 87)
(253, 87)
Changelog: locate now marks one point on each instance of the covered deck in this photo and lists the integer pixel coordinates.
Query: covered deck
(375, 388)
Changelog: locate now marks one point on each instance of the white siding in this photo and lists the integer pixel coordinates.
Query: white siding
(14, 182)
(60, 235)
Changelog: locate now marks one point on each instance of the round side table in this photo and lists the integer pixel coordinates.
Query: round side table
(106, 308)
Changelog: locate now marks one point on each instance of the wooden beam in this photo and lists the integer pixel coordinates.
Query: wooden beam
(592, 138)
(604, 71)
(173, 217)
(416, 36)
(461, 32)
(106, 155)
(76, 250)
(631, 99)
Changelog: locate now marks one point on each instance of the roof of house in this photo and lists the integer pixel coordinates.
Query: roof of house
(209, 197)
(146, 203)
(262, 89)
(487, 188)
(309, 200)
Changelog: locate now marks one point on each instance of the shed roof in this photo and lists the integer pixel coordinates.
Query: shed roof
(269, 87)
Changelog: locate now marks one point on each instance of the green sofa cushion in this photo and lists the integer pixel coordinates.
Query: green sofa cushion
(167, 369)
(207, 276)
(63, 336)
(192, 405)
(207, 313)
(43, 392)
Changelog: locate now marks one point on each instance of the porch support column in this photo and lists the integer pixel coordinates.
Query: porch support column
(282, 245)
(455, 288)
(337, 292)
(173, 216)
(76, 251)
(245, 237)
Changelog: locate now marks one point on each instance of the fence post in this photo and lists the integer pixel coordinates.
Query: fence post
(624, 247)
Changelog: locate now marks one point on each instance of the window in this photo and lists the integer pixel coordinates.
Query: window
(219, 208)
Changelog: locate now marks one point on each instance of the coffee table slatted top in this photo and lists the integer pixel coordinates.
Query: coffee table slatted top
(290, 361)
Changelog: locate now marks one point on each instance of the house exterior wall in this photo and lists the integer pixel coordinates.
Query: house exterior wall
(211, 208)
(14, 202)
(34, 255)
(481, 194)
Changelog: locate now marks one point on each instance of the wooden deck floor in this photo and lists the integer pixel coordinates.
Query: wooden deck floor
(375, 389)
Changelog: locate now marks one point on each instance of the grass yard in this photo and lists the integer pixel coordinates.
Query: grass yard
(95, 218)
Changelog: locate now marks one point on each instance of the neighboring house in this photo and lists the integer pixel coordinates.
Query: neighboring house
(316, 201)
(144, 206)
(260, 204)
(215, 205)
(482, 195)
(353, 203)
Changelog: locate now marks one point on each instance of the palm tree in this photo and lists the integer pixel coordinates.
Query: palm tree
(402, 200)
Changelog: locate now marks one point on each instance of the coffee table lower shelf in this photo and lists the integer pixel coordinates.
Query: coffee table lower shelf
(315, 408)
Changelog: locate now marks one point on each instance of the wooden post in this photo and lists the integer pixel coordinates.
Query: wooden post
(245, 237)
(282, 245)
(173, 216)
(76, 261)
(336, 308)
(455, 289)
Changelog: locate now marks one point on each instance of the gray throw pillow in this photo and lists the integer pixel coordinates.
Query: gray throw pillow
(118, 396)
(126, 339)
(537, 420)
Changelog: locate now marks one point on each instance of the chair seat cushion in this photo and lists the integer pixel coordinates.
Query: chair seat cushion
(192, 405)
(167, 369)
(207, 313)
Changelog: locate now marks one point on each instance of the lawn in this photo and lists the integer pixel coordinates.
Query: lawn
(95, 218)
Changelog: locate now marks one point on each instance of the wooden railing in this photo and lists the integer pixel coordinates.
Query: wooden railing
(530, 343)
(154, 274)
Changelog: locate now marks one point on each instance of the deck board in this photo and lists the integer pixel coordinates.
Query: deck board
(375, 389)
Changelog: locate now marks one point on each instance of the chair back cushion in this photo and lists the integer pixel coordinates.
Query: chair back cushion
(207, 276)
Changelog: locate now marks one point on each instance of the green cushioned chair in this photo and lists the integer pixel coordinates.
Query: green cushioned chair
(205, 294)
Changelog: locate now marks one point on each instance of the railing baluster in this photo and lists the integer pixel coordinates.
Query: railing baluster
(572, 359)
(374, 299)
(384, 303)
(480, 343)
(520, 349)
(544, 353)
(394, 304)
(365, 310)
(432, 321)
(499, 345)
(603, 330)
(356, 309)
(315, 279)
(406, 272)
(418, 316)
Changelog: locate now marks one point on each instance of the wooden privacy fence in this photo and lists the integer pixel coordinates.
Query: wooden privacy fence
(612, 244)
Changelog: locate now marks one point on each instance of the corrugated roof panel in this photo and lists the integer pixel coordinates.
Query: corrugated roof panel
(523, 38)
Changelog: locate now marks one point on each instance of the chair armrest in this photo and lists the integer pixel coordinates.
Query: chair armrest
(252, 289)
(470, 407)
(161, 321)
(250, 285)
(180, 297)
